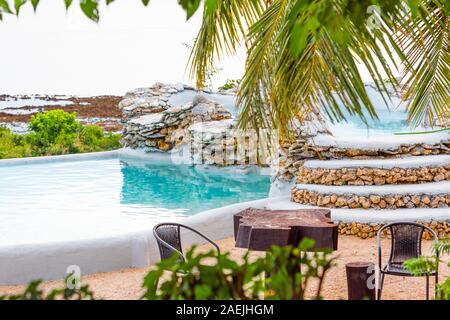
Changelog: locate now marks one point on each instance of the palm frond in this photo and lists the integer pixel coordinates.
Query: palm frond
(425, 40)
(223, 29)
(304, 57)
(318, 80)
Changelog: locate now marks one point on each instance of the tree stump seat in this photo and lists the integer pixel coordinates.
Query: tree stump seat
(259, 229)
(359, 280)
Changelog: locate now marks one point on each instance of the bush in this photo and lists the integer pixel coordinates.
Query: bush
(34, 292)
(54, 127)
(56, 132)
(230, 84)
(92, 138)
(426, 265)
(276, 276)
(13, 145)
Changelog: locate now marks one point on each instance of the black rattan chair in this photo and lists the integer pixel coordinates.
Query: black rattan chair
(168, 237)
(406, 243)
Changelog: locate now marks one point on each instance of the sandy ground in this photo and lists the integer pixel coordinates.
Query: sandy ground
(126, 284)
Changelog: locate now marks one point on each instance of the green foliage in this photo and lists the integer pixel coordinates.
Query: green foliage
(89, 7)
(230, 84)
(190, 6)
(207, 276)
(13, 145)
(56, 132)
(304, 57)
(34, 292)
(424, 37)
(92, 138)
(54, 127)
(426, 265)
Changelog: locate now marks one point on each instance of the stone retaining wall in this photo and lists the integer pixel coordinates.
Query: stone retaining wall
(303, 150)
(364, 230)
(371, 176)
(370, 201)
(153, 99)
(151, 123)
(200, 131)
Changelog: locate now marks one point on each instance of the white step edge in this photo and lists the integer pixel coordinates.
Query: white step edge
(370, 216)
(431, 161)
(381, 142)
(433, 188)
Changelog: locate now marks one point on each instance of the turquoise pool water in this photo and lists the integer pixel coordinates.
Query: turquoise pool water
(115, 187)
(392, 118)
(187, 189)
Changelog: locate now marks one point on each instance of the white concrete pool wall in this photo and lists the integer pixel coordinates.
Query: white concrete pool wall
(21, 264)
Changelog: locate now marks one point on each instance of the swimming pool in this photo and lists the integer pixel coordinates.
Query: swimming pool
(392, 118)
(63, 201)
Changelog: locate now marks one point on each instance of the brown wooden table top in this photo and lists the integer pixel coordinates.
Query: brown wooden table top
(258, 229)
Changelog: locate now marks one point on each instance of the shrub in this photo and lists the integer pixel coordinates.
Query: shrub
(230, 84)
(34, 292)
(13, 145)
(54, 133)
(54, 127)
(426, 265)
(92, 138)
(276, 276)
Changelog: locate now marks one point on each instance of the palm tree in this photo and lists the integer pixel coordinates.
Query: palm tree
(303, 55)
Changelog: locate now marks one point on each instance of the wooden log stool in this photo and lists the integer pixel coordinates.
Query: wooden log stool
(359, 284)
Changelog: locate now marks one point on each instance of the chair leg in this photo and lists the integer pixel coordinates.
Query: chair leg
(436, 282)
(428, 287)
(380, 286)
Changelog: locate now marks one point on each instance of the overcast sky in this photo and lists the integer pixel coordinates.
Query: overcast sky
(54, 52)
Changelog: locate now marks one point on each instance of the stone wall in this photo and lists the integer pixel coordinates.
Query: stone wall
(304, 149)
(201, 130)
(371, 176)
(361, 177)
(370, 201)
(365, 230)
(151, 123)
(153, 99)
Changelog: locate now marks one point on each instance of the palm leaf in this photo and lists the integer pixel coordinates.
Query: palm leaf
(425, 40)
(223, 29)
(324, 73)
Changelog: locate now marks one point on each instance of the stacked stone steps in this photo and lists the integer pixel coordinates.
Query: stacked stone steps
(408, 170)
(415, 186)
(326, 147)
(427, 195)
(365, 223)
(392, 146)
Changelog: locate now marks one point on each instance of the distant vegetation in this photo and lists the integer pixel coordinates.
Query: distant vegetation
(230, 84)
(56, 132)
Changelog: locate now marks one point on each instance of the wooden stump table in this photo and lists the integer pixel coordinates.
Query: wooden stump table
(259, 230)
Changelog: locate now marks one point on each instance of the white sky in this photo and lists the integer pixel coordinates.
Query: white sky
(54, 52)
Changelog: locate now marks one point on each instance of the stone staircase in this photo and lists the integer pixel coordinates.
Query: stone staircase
(380, 186)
